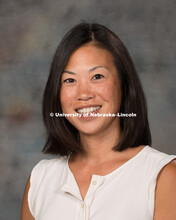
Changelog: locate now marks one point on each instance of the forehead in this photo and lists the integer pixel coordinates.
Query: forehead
(89, 55)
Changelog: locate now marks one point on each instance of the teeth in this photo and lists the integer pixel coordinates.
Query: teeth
(88, 110)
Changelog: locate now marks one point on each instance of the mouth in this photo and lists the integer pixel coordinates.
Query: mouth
(88, 110)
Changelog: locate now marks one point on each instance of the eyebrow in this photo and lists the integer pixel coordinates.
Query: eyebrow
(66, 71)
(90, 70)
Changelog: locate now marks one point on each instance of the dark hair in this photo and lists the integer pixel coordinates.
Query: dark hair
(62, 137)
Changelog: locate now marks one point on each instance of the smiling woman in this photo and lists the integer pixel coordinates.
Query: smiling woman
(112, 54)
(105, 169)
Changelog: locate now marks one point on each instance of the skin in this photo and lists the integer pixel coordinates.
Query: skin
(165, 196)
(25, 212)
(87, 81)
(91, 78)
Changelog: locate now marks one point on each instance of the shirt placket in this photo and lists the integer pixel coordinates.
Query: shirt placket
(83, 206)
(95, 183)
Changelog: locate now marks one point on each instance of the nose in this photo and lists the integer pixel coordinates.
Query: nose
(85, 92)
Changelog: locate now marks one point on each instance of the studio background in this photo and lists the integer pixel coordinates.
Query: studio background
(30, 31)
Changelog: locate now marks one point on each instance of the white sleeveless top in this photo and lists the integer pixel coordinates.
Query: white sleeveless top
(126, 193)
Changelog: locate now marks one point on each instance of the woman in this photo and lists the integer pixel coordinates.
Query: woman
(106, 169)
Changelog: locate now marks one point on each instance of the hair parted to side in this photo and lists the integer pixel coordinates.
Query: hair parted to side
(62, 137)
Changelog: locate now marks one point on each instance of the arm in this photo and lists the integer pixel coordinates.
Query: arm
(165, 194)
(25, 212)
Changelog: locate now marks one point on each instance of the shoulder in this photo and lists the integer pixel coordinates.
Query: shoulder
(165, 197)
(169, 171)
(50, 163)
(157, 160)
(167, 176)
(47, 168)
(153, 161)
(156, 154)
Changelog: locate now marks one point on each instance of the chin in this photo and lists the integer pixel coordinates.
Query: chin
(95, 127)
(89, 129)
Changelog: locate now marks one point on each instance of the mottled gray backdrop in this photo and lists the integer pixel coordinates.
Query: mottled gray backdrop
(30, 32)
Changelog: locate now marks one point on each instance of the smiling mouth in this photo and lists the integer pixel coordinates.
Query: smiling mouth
(88, 110)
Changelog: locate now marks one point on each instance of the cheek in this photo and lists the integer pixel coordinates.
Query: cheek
(110, 92)
(66, 97)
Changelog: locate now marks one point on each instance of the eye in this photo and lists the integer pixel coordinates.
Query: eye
(69, 80)
(98, 76)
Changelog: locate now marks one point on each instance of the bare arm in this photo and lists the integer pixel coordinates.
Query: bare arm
(25, 212)
(165, 197)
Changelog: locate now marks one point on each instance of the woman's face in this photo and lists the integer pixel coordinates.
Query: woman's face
(90, 84)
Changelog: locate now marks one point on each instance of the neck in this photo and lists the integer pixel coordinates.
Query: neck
(98, 147)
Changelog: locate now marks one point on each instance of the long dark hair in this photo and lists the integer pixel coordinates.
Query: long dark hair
(62, 137)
